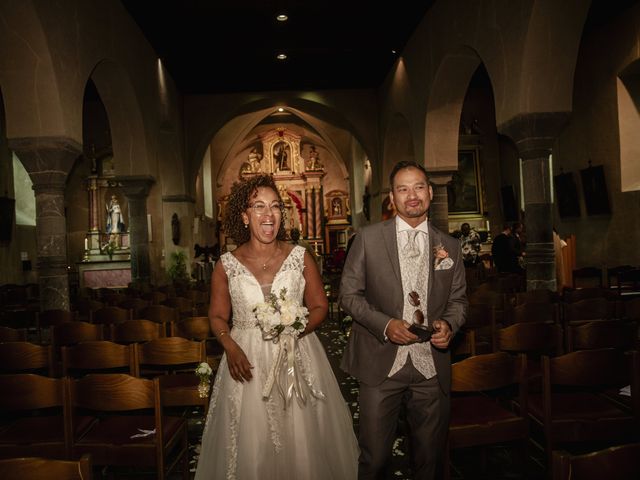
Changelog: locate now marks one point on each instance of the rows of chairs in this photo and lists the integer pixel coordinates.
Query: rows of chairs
(118, 419)
(542, 368)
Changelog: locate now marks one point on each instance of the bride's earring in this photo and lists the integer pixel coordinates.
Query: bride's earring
(246, 225)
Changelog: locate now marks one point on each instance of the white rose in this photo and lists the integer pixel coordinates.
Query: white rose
(288, 313)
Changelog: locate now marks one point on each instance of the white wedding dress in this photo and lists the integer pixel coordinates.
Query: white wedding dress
(246, 437)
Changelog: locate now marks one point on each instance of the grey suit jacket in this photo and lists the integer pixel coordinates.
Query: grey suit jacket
(371, 292)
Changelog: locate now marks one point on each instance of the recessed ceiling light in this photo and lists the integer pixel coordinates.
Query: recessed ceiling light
(281, 56)
(282, 17)
(393, 51)
(280, 109)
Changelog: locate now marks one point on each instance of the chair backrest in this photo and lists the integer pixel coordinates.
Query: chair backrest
(50, 318)
(542, 295)
(156, 298)
(23, 357)
(107, 315)
(136, 305)
(572, 296)
(630, 309)
(591, 276)
(532, 337)
(8, 334)
(198, 328)
(182, 304)
(30, 392)
(599, 368)
(169, 354)
(86, 305)
(114, 392)
(160, 314)
(613, 272)
(589, 309)
(70, 333)
(98, 355)
(487, 372)
(532, 312)
(621, 461)
(629, 280)
(134, 331)
(36, 468)
(602, 334)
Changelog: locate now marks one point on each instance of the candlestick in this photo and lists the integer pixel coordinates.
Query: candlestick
(86, 243)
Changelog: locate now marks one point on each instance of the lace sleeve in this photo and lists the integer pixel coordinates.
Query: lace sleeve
(231, 266)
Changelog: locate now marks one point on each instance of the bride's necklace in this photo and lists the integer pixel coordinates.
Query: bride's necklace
(266, 263)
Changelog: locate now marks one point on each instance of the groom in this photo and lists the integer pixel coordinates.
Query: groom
(401, 272)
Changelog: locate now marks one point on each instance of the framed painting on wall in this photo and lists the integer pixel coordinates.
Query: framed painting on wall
(566, 195)
(594, 188)
(464, 192)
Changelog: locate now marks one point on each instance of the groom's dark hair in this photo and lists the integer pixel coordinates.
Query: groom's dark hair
(406, 164)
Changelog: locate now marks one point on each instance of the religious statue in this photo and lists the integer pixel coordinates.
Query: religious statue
(252, 165)
(281, 156)
(314, 162)
(336, 207)
(115, 220)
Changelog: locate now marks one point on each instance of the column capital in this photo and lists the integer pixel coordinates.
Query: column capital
(48, 160)
(441, 178)
(535, 133)
(135, 186)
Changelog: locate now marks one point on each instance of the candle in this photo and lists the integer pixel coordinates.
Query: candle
(86, 244)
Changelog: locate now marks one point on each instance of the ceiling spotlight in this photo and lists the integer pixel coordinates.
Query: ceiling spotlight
(280, 109)
(393, 51)
(282, 17)
(281, 56)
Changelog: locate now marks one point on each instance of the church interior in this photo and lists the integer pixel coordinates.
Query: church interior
(124, 125)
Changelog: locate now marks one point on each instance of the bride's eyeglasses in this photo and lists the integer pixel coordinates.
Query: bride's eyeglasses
(414, 301)
(261, 208)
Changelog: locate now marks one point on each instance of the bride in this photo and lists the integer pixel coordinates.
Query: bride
(276, 410)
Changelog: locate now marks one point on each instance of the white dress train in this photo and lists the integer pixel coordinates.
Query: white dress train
(246, 437)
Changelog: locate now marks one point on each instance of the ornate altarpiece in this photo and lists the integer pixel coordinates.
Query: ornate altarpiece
(299, 182)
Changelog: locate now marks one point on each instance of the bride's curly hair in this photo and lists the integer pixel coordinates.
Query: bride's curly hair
(239, 200)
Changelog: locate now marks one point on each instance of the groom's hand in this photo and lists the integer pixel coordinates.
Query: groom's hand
(442, 334)
(398, 332)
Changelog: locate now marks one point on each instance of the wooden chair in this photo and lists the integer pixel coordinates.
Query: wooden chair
(8, 334)
(587, 310)
(531, 312)
(481, 391)
(70, 333)
(108, 315)
(175, 358)
(542, 295)
(51, 318)
(25, 357)
(38, 468)
(619, 462)
(629, 282)
(113, 298)
(604, 334)
(134, 331)
(573, 407)
(475, 336)
(193, 328)
(116, 400)
(136, 305)
(161, 314)
(98, 356)
(613, 272)
(36, 426)
(572, 296)
(155, 298)
(590, 276)
(84, 307)
(630, 309)
(184, 305)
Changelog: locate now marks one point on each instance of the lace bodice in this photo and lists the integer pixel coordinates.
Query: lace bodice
(246, 292)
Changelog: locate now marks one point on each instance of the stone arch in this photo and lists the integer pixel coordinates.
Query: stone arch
(120, 100)
(628, 98)
(28, 67)
(398, 145)
(444, 107)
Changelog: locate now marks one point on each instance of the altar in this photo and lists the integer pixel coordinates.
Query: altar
(104, 274)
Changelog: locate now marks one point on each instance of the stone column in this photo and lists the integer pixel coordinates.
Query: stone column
(48, 160)
(439, 210)
(534, 135)
(136, 190)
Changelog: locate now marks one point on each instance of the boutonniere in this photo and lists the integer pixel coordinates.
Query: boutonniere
(441, 259)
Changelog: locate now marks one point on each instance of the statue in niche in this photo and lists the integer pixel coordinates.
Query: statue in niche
(253, 163)
(115, 219)
(336, 207)
(281, 156)
(314, 162)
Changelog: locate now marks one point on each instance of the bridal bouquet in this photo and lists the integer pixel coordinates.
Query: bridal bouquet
(204, 372)
(279, 314)
(281, 320)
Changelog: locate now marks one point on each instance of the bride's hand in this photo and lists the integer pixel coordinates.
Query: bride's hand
(239, 366)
